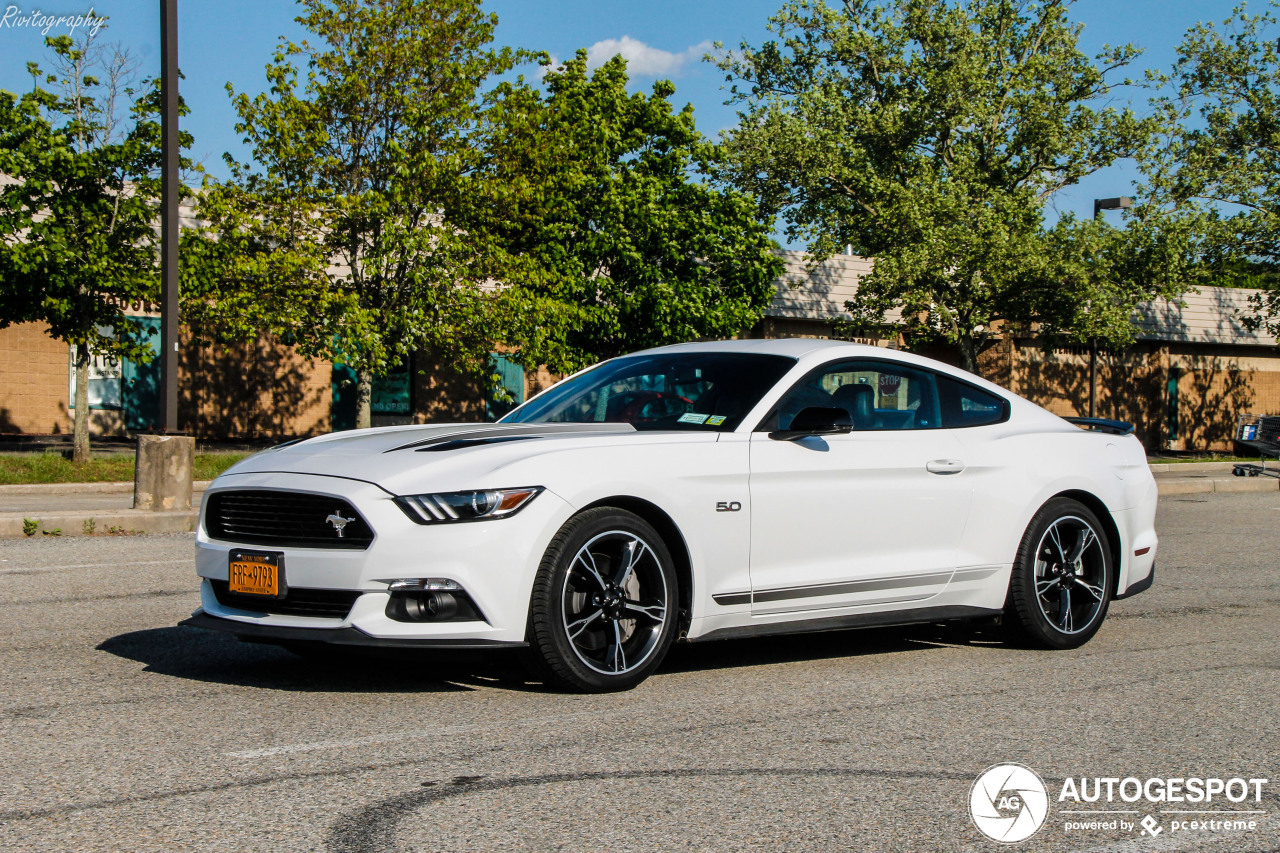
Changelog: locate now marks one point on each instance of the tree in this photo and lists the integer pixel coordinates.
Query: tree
(1090, 276)
(335, 237)
(593, 206)
(930, 135)
(1216, 178)
(77, 243)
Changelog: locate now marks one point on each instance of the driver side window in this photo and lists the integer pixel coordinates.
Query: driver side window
(877, 395)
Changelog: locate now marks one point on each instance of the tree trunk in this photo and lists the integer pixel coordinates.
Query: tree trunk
(80, 430)
(364, 399)
(969, 354)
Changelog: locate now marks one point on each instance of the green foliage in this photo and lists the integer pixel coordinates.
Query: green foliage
(77, 235)
(1090, 277)
(1215, 179)
(22, 468)
(929, 135)
(206, 466)
(30, 526)
(397, 210)
(30, 468)
(591, 206)
(335, 240)
(78, 244)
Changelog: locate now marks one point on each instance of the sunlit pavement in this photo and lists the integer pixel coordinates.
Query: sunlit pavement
(124, 732)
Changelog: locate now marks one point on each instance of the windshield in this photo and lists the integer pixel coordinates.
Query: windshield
(696, 390)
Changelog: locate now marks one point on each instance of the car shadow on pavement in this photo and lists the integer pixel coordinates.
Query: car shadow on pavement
(207, 656)
(822, 645)
(217, 658)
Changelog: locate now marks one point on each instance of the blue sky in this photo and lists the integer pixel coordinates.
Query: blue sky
(231, 41)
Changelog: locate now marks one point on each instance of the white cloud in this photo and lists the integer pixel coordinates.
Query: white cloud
(642, 59)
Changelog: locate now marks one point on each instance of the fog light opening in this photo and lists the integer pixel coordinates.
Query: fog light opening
(431, 606)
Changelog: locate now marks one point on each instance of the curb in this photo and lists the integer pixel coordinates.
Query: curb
(105, 523)
(1207, 485)
(1176, 468)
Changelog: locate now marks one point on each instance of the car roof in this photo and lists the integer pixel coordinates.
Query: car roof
(792, 347)
(812, 351)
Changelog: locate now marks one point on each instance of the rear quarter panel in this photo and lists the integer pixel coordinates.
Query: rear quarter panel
(1018, 466)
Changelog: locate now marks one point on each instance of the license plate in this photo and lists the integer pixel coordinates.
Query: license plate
(256, 573)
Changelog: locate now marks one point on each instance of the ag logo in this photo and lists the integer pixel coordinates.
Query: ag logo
(1008, 803)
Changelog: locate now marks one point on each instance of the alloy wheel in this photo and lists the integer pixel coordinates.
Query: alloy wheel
(1070, 574)
(615, 602)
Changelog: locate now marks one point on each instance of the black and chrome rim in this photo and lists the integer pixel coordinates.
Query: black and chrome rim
(615, 602)
(1071, 574)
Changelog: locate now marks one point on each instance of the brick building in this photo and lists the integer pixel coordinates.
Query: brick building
(1193, 371)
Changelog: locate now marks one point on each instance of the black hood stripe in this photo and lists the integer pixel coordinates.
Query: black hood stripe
(492, 433)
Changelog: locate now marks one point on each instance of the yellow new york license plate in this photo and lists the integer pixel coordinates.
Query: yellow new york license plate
(255, 573)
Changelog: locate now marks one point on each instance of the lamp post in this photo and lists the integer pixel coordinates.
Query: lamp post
(1123, 202)
(1099, 205)
(168, 420)
(163, 463)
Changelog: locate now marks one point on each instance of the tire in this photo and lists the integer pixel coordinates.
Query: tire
(604, 608)
(1063, 577)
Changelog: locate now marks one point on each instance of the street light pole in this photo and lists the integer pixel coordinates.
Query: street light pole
(1099, 205)
(168, 420)
(163, 463)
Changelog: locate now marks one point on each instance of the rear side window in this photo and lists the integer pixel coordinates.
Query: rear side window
(963, 405)
(877, 394)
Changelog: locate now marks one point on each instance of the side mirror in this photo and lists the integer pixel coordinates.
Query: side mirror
(815, 420)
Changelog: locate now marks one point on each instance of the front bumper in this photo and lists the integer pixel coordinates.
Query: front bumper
(336, 636)
(493, 561)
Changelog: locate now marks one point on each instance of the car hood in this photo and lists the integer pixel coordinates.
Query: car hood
(402, 458)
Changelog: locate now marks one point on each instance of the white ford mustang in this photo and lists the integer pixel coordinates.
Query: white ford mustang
(698, 492)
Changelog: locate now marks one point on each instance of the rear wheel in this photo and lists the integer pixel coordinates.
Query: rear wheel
(603, 611)
(1062, 577)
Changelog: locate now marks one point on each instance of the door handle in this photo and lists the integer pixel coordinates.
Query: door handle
(944, 466)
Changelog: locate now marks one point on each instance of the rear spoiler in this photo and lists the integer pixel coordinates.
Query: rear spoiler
(1103, 425)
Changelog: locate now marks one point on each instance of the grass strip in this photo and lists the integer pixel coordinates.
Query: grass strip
(37, 468)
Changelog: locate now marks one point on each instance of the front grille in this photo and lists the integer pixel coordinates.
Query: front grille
(328, 603)
(284, 519)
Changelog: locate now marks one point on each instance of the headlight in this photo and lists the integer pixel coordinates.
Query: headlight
(480, 505)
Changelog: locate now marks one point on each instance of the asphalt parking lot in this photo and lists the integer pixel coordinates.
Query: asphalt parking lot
(124, 732)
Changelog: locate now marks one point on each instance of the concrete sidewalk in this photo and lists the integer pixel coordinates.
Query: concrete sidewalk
(1187, 478)
(78, 509)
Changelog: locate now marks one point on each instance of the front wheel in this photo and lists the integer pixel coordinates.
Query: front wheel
(1062, 577)
(604, 607)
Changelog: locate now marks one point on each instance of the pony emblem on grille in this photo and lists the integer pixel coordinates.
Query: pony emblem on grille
(338, 522)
